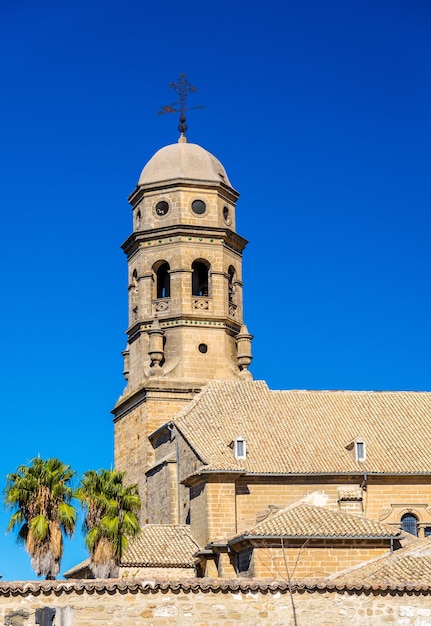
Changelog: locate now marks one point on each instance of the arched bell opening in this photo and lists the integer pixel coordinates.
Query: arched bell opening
(231, 283)
(200, 278)
(162, 286)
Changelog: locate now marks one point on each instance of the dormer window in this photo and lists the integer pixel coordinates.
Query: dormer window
(358, 445)
(240, 448)
(360, 451)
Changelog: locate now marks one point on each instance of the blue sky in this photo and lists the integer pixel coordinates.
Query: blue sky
(319, 112)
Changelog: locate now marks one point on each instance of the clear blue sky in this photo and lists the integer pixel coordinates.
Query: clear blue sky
(320, 112)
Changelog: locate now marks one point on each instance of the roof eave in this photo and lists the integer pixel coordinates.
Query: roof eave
(245, 537)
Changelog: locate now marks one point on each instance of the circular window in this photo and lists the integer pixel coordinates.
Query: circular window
(226, 215)
(203, 348)
(162, 208)
(199, 207)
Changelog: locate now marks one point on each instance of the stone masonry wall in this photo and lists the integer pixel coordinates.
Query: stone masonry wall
(254, 496)
(207, 604)
(307, 562)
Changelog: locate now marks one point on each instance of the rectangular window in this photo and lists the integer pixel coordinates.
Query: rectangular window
(360, 450)
(240, 448)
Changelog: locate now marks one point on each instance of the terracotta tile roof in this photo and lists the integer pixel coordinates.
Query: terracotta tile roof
(307, 521)
(79, 571)
(307, 432)
(205, 585)
(161, 545)
(410, 565)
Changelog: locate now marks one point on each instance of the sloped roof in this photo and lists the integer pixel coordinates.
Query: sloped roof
(308, 521)
(410, 565)
(160, 545)
(81, 570)
(307, 432)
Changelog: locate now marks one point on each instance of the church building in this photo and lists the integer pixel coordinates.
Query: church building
(238, 480)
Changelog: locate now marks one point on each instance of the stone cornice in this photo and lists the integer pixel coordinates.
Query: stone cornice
(155, 389)
(224, 190)
(144, 325)
(186, 233)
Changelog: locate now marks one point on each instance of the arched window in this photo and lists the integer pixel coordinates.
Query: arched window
(409, 524)
(200, 278)
(231, 285)
(138, 218)
(163, 280)
(134, 295)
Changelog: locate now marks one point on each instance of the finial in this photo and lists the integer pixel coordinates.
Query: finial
(155, 351)
(183, 88)
(244, 356)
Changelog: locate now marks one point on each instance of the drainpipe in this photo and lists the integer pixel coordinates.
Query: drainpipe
(177, 458)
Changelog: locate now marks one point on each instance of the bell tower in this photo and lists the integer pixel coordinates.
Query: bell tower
(185, 296)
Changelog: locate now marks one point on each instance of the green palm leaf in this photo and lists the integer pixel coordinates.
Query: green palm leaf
(39, 526)
(110, 517)
(40, 495)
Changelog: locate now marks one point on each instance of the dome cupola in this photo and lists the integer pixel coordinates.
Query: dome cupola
(183, 161)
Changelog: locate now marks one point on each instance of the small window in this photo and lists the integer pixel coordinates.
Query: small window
(203, 348)
(199, 207)
(240, 448)
(134, 289)
(138, 218)
(162, 208)
(427, 531)
(360, 451)
(409, 524)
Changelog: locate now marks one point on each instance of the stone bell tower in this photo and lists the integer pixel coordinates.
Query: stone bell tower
(185, 296)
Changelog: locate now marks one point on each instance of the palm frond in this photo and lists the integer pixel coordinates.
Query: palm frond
(39, 527)
(111, 514)
(16, 519)
(40, 495)
(66, 516)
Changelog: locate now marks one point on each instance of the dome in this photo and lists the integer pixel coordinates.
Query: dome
(183, 160)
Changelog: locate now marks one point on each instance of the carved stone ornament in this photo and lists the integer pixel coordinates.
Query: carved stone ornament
(394, 514)
(232, 309)
(201, 305)
(384, 513)
(269, 512)
(161, 305)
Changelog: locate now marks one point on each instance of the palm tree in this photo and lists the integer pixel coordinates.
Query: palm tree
(110, 518)
(41, 494)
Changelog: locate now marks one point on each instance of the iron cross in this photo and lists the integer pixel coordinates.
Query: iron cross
(183, 88)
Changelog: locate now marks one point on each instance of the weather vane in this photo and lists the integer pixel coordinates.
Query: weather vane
(183, 88)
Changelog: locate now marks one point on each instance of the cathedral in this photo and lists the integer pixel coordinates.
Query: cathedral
(238, 480)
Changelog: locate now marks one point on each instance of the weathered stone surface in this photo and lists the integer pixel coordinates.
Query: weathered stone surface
(117, 603)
